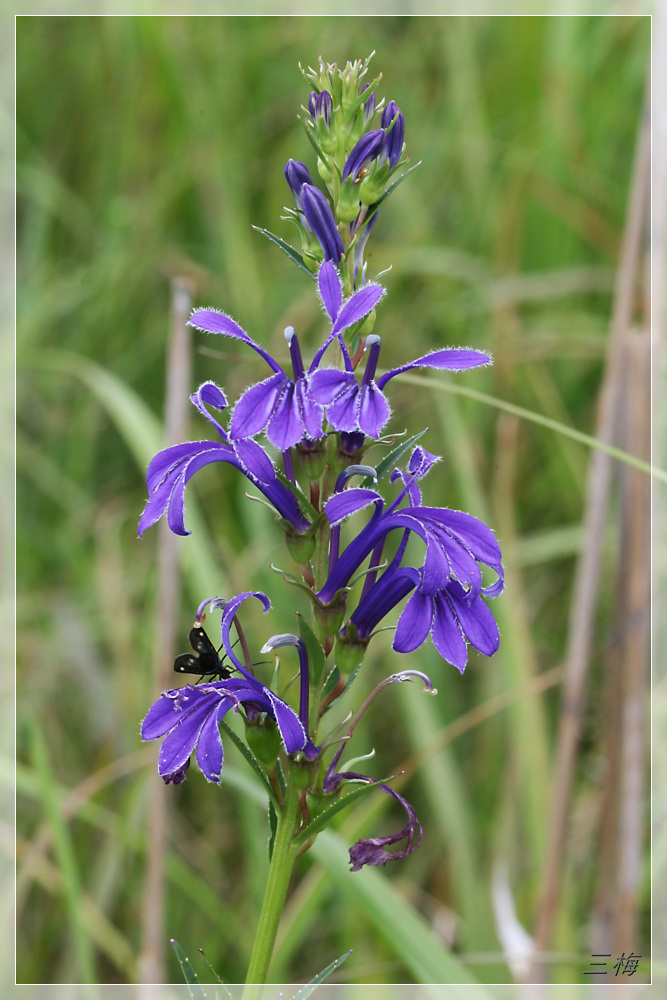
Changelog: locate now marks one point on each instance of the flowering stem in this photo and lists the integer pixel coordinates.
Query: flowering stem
(280, 872)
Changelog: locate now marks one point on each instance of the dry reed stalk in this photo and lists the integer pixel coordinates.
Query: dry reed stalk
(587, 575)
(178, 378)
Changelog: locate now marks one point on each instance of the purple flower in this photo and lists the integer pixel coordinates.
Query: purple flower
(396, 134)
(281, 405)
(353, 406)
(319, 217)
(448, 594)
(370, 147)
(188, 718)
(171, 469)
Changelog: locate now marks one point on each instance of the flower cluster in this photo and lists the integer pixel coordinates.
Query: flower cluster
(300, 435)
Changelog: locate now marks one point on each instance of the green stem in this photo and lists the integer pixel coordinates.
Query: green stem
(280, 872)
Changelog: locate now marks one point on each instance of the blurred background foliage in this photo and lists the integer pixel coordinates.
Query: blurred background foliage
(147, 148)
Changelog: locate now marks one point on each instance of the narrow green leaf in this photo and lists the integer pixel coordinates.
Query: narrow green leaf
(293, 254)
(273, 826)
(538, 418)
(390, 460)
(396, 183)
(189, 974)
(252, 760)
(305, 991)
(331, 682)
(301, 497)
(316, 658)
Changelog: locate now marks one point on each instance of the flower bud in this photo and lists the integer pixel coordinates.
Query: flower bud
(396, 134)
(296, 175)
(320, 218)
(369, 148)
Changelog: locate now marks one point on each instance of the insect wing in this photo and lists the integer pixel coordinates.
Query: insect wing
(187, 664)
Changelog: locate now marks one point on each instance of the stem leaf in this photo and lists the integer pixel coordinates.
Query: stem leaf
(189, 974)
(293, 254)
(252, 760)
(305, 991)
(391, 459)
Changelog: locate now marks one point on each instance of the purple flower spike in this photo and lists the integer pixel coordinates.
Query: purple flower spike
(296, 175)
(319, 217)
(371, 146)
(396, 134)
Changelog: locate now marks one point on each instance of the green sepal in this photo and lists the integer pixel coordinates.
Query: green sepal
(316, 657)
(325, 817)
(349, 651)
(189, 974)
(263, 740)
(301, 498)
(395, 184)
(331, 682)
(344, 691)
(390, 460)
(273, 826)
(288, 250)
(306, 990)
(361, 99)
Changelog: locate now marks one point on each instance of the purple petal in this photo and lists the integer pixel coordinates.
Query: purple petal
(474, 534)
(256, 406)
(452, 360)
(447, 636)
(181, 741)
(374, 410)
(311, 412)
(330, 290)
(414, 624)
(478, 624)
(209, 744)
(289, 725)
(285, 428)
(210, 394)
(168, 711)
(358, 306)
(342, 505)
(255, 460)
(225, 625)
(343, 413)
(327, 384)
(436, 572)
(169, 458)
(211, 321)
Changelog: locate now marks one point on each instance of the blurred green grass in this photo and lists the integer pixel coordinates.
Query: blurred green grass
(147, 148)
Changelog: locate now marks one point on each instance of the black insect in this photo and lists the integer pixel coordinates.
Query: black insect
(206, 662)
